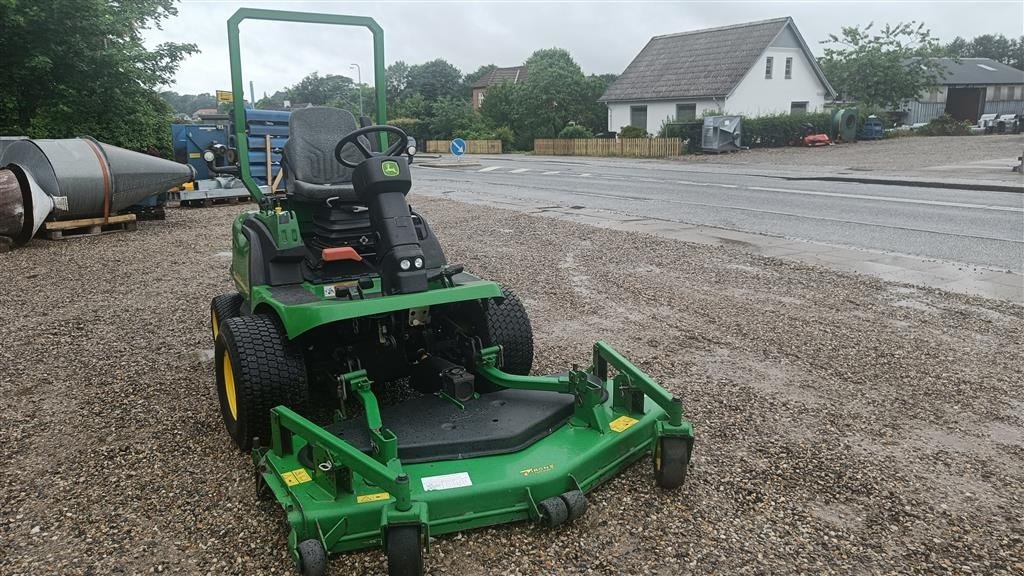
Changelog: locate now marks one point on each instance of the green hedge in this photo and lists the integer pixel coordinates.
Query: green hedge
(768, 131)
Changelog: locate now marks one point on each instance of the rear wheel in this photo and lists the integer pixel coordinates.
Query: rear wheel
(222, 308)
(506, 323)
(257, 369)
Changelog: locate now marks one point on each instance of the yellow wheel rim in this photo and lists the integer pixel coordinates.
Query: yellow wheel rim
(229, 385)
(214, 323)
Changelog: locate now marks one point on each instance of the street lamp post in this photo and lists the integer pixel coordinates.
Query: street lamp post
(359, 85)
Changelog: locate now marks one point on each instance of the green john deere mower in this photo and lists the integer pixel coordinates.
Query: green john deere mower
(384, 393)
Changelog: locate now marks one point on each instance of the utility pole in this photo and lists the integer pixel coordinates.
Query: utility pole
(359, 85)
(252, 94)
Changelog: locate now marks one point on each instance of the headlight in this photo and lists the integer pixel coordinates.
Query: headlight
(208, 156)
(418, 263)
(404, 264)
(411, 150)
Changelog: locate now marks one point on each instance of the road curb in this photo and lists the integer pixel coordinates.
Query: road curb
(919, 183)
(449, 164)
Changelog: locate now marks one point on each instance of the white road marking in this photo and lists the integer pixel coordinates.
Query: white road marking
(489, 169)
(518, 170)
(585, 174)
(551, 173)
(891, 199)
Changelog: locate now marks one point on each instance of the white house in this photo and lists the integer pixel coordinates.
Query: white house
(751, 69)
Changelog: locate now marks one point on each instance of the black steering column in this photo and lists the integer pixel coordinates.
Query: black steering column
(381, 181)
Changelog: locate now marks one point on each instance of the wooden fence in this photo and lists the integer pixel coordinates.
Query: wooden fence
(472, 146)
(631, 147)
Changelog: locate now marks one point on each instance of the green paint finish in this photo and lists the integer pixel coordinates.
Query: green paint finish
(501, 488)
(390, 168)
(298, 318)
(283, 226)
(237, 84)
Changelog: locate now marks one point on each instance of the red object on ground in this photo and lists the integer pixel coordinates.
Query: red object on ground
(342, 253)
(817, 140)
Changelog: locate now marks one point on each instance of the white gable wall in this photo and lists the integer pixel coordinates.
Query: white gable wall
(618, 112)
(757, 96)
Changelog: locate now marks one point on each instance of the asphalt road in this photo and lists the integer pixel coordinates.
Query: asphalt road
(973, 227)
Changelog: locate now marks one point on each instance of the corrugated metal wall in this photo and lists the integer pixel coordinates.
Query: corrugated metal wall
(928, 111)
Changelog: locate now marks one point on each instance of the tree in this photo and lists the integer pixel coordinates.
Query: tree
(451, 118)
(885, 68)
(433, 80)
(503, 105)
(999, 48)
(594, 114)
(188, 103)
(89, 73)
(319, 90)
(397, 76)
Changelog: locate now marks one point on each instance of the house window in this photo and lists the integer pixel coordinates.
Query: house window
(789, 68)
(638, 116)
(997, 93)
(797, 108)
(768, 62)
(686, 112)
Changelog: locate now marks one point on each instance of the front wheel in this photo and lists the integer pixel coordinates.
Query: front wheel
(671, 459)
(404, 551)
(257, 369)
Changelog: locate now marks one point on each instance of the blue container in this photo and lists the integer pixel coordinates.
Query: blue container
(191, 140)
(259, 124)
(873, 129)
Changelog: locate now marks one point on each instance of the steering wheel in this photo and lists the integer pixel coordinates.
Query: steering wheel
(354, 139)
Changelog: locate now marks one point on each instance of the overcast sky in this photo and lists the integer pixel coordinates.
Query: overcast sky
(602, 37)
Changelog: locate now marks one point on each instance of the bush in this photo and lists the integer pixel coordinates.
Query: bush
(632, 132)
(781, 129)
(575, 131)
(507, 137)
(945, 125)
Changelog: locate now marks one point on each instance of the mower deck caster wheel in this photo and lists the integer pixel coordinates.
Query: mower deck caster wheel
(576, 503)
(312, 558)
(404, 550)
(553, 511)
(671, 459)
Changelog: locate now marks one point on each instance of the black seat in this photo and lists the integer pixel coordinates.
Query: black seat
(312, 173)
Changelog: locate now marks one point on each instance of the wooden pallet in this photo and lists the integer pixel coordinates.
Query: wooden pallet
(89, 226)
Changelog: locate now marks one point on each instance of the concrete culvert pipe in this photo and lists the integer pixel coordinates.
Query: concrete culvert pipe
(96, 179)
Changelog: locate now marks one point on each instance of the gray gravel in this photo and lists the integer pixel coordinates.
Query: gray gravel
(845, 425)
(889, 155)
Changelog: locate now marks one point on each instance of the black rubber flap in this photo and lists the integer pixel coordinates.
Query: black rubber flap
(430, 428)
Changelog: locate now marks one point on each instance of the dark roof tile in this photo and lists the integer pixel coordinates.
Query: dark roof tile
(696, 64)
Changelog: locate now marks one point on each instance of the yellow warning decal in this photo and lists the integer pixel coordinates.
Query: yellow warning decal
(297, 476)
(372, 497)
(621, 423)
(193, 155)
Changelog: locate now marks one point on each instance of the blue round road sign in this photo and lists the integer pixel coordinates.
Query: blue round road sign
(458, 147)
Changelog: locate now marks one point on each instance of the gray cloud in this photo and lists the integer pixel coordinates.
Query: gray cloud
(603, 37)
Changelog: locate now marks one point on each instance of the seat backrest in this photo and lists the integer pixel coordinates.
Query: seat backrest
(312, 135)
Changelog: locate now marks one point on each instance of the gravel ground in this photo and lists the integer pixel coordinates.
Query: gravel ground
(845, 425)
(894, 154)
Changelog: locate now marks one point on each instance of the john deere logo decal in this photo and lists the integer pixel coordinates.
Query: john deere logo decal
(389, 168)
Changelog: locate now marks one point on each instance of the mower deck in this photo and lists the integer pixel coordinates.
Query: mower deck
(495, 459)
(432, 427)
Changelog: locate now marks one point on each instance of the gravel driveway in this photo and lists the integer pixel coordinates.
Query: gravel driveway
(844, 425)
(890, 155)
